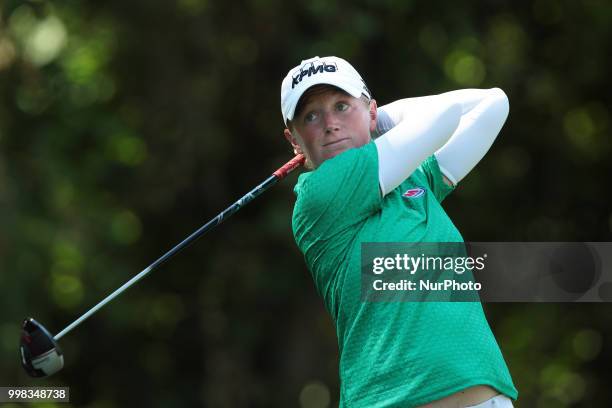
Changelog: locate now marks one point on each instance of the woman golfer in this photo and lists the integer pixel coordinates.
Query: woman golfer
(392, 354)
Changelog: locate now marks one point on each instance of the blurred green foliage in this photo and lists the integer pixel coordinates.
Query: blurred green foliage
(125, 125)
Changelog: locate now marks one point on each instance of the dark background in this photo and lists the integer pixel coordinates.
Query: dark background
(124, 125)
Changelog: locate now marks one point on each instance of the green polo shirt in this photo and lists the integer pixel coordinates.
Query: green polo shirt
(392, 354)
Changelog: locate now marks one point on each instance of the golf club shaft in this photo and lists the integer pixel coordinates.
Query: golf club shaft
(247, 198)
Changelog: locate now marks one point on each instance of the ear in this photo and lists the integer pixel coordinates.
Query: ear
(373, 115)
(294, 143)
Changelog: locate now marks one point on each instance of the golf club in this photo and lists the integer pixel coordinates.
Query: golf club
(41, 356)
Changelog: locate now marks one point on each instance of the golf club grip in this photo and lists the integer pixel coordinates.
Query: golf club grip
(223, 215)
(291, 165)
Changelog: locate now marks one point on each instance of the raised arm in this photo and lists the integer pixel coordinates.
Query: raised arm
(479, 127)
(403, 148)
(483, 113)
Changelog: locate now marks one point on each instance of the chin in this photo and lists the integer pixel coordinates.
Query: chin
(335, 152)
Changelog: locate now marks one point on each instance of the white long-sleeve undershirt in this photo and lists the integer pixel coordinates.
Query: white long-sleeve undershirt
(458, 126)
(403, 148)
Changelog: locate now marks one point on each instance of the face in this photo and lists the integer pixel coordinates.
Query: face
(330, 123)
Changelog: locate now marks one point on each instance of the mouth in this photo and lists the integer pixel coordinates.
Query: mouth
(335, 142)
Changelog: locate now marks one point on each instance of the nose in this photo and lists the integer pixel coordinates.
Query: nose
(330, 122)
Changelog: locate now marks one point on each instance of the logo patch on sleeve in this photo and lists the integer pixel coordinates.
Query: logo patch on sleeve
(414, 192)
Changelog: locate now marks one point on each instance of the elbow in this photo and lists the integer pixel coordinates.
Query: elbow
(501, 102)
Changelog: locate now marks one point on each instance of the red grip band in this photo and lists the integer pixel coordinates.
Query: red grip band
(291, 165)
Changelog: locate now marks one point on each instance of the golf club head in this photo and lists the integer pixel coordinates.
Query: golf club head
(40, 354)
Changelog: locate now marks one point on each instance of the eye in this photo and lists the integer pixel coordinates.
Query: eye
(341, 106)
(310, 117)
